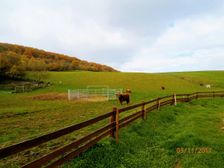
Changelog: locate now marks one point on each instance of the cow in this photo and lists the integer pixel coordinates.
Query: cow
(163, 87)
(124, 96)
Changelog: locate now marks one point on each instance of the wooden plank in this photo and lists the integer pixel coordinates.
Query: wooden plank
(130, 116)
(150, 101)
(43, 160)
(129, 121)
(182, 95)
(166, 102)
(13, 149)
(211, 92)
(182, 99)
(148, 109)
(75, 153)
(130, 107)
(204, 96)
(165, 97)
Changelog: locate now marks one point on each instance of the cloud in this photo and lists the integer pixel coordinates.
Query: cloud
(76, 28)
(191, 44)
(130, 35)
(65, 26)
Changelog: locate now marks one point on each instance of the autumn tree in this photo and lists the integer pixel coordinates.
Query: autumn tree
(10, 65)
(75, 65)
(38, 68)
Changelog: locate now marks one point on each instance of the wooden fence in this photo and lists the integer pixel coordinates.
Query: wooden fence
(68, 152)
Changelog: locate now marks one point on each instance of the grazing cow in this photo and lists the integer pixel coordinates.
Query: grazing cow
(163, 87)
(124, 96)
(201, 84)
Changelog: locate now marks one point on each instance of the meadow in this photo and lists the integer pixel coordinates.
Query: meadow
(25, 115)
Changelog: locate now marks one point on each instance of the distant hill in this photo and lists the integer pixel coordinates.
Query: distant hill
(29, 58)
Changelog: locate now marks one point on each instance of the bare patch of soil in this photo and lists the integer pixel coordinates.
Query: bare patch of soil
(63, 96)
(50, 96)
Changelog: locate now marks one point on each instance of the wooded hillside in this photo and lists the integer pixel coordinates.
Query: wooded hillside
(15, 59)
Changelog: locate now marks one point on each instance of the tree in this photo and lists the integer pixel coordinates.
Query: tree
(10, 65)
(16, 71)
(38, 68)
(28, 52)
(74, 65)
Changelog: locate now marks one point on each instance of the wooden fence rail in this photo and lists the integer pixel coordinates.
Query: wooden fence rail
(67, 152)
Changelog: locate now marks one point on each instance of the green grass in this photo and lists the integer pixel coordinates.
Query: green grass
(22, 117)
(153, 143)
(20, 110)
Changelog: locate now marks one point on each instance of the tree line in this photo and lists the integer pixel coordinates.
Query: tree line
(15, 60)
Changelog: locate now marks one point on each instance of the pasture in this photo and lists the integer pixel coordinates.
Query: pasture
(187, 135)
(27, 115)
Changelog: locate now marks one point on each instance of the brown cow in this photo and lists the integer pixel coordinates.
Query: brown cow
(163, 87)
(124, 96)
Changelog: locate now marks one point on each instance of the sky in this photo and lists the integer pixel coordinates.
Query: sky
(129, 35)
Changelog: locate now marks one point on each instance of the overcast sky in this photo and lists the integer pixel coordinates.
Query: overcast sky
(129, 35)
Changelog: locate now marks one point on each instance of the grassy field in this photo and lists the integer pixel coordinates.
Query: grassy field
(24, 115)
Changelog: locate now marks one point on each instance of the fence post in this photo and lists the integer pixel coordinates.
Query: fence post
(213, 94)
(69, 94)
(112, 120)
(174, 99)
(188, 97)
(115, 119)
(117, 124)
(143, 111)
(158, 103)
(196, 95)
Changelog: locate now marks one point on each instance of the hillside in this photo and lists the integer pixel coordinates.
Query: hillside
(16, 58)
